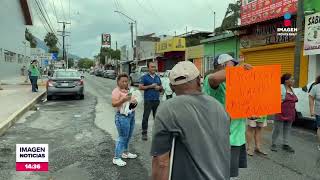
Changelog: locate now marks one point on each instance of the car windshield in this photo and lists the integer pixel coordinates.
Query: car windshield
(63, 74)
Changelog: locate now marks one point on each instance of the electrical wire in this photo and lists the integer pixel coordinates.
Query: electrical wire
(54, 9)
(64, 15)
(45, 10)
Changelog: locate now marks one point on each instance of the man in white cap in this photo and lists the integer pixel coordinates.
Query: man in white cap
(200, 125)
(215, 86)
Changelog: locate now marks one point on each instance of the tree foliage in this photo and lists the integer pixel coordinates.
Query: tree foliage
(85, 63)
(109, 53)
(51, 41)
(231, 17)
(29, 37)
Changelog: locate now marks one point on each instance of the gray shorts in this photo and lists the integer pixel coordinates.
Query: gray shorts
(238, 159)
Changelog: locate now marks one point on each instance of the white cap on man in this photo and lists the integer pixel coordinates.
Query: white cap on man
(183, 72)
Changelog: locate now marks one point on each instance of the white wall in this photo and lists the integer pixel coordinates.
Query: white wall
(314, 67)
(147, 50)
(12, 35)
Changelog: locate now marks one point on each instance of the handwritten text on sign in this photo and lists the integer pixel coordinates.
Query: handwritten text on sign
(253, 92)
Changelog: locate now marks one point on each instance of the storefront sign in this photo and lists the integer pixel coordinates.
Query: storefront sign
(174, 44)
(253, 11)
(312, 35)
(194, 52)
(269, 33)
(106, 40)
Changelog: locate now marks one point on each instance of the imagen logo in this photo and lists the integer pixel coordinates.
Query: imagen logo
(287, 20)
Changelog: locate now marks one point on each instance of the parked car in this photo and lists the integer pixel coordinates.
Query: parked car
(302, 106)
(98, 72)
(65, 82)
(111, 74)
(139, 72)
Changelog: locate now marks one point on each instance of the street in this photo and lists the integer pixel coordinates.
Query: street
(81, 135)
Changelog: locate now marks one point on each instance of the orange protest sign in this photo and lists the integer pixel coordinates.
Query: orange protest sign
(253, 92)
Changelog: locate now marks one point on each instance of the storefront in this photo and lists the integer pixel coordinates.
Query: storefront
(195, 54)
(226, 43)
(170, 52)
(262, 45)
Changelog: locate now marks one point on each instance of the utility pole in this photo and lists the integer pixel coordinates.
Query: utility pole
(63, 39)
(214, 21)
(116, 45)
(297, 57)
(131, 29)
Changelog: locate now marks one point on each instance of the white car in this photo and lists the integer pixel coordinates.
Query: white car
(302, 106)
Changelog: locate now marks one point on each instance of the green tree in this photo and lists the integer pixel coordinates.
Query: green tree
(110, 53)
(29, 37)
(85, 63)
(51, 41)
(70, 62)
(231, 17)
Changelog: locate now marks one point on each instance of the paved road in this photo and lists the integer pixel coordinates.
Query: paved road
(81, 138)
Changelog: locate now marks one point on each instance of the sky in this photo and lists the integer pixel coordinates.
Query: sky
(90, 18)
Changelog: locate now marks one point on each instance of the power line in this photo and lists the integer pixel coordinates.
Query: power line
(54, 9)
(41, 19)
(64, 15)
(118, 9)
(45, 10)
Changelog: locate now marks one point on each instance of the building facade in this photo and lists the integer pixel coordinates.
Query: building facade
(14, 49)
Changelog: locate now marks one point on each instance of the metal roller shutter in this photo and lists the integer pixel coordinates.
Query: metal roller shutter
(281, 55)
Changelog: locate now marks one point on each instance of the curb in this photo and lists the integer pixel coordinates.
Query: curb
(5, 125)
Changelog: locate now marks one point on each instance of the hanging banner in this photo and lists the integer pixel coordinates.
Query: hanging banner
(106, 40)
(253, 11)
(252, 93)
(312, 35)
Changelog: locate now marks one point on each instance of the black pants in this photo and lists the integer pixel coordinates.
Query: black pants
(148, 106)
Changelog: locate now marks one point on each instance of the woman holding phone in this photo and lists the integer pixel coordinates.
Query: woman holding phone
(122, 100)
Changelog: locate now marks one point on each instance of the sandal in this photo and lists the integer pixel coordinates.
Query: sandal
(259, 151)
(250, 152)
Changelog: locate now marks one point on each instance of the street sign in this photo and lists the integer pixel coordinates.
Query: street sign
(54, 56)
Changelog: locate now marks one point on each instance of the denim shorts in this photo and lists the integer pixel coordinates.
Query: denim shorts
(318, 121)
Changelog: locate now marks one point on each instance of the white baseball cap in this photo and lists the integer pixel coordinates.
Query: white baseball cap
(223, 58)
(183, 72)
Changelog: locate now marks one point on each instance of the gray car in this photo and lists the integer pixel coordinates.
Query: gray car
(65, 82)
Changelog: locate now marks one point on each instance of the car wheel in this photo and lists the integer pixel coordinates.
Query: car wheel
(49, 98)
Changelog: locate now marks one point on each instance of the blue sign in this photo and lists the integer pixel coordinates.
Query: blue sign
(46, 62)
(54, 56)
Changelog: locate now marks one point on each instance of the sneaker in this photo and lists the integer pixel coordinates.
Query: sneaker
(129, 156)
(274, 148)
(288, 148)
(118, 162)
(144, 137)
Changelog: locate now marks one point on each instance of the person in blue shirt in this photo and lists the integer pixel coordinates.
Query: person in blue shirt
(150, 83)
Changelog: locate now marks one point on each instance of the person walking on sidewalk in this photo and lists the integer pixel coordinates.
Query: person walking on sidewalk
(314, 103)
(34, 74)
(151, 85)
(283, 121)
(254, 129)
(201, 128)
(124, 120)
(215, 86)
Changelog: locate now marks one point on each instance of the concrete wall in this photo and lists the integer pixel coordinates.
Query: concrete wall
(12, 35)
(146, 49)
(314, 68)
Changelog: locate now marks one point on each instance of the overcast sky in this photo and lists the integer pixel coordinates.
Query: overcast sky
(90, 18)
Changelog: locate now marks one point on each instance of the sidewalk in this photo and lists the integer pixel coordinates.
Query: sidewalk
(15, 100)
(21, 80)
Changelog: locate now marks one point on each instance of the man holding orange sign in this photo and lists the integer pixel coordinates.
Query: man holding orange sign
(215, 86)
